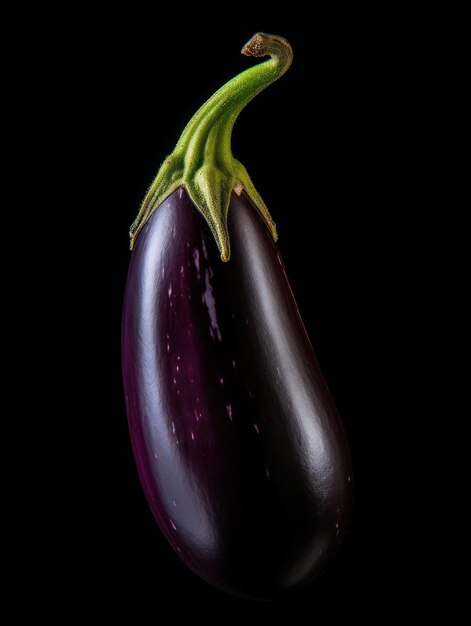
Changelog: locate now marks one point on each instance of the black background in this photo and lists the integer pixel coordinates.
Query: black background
(335, 148)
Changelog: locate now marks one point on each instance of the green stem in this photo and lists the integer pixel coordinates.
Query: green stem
(202, 160)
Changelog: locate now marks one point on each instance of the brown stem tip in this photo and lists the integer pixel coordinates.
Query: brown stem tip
(254, 47)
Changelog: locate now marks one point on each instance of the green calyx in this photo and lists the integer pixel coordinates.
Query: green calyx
(202, 160)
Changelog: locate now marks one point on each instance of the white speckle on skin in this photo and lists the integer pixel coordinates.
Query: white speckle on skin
(210, 303)
(178, 369)
(174, 503)
(182, 271)
(196, 258)
(221, 380)
(192, 436)
(168, 347)
(178, 357)
(233, 364)
(173, 427)
(196, 415)
(229, 410)
(173, 525)
(170, 291)
(203, 245)
(257, 430)
(174, 381)
(348, 478)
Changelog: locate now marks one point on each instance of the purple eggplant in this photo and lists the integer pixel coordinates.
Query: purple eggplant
(237, 441)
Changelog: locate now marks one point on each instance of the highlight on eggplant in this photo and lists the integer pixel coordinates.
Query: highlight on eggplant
(237, 441)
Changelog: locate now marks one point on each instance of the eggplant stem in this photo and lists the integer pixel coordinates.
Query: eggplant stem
(202, 160)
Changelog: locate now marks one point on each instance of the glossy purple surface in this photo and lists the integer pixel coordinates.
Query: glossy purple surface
(237, 441)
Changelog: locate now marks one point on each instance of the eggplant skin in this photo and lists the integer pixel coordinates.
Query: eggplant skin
(237, 441)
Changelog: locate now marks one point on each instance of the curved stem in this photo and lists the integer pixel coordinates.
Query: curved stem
(223, 108)
(202, 160)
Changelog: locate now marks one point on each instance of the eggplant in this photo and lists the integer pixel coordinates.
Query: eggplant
(237, 441)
